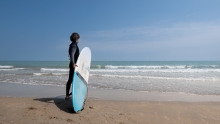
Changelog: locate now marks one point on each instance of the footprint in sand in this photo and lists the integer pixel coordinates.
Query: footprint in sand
(32, 108)
(91, 107)
(69, 120)
(122, 114)
(50, 117)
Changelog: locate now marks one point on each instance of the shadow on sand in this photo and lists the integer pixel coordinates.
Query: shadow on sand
(60, 102)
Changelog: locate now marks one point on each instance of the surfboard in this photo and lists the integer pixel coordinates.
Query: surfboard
(80, 80)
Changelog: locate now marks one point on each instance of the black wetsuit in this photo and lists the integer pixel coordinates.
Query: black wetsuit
(74, 54)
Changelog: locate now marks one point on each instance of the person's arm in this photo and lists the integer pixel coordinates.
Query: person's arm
(72, 53)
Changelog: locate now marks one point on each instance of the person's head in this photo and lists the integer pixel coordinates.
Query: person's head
(74, 37)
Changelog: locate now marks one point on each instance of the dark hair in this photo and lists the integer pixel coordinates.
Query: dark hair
(75, 36)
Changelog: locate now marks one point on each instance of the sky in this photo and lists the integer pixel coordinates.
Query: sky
(114, 30)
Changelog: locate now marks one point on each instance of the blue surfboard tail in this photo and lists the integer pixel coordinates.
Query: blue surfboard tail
(79, 92)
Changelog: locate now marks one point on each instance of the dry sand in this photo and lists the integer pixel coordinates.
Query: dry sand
(40, 104)
(57, 110)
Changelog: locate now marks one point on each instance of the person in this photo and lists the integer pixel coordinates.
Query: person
(73, 54)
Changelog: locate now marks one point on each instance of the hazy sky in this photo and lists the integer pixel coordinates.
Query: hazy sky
(113, 29)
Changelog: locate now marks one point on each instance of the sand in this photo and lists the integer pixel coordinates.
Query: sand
(22, 103)
(58, 110)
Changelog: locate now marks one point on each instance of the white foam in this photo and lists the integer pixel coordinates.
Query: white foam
(160, 78)
(11, 69)
(7, 74)
(158, 70)
(38, 74)
(54, 69)
(146, 67)
(6, 66)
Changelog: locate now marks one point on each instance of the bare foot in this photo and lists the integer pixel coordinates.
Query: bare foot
(67, 98)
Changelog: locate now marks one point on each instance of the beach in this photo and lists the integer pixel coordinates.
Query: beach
(50, 110)
(109, 62)
(119, 92)
(23, 103)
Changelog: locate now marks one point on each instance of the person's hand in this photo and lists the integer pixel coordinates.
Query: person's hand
(74, 65)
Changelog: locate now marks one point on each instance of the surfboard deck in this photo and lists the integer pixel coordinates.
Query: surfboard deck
(80, 80)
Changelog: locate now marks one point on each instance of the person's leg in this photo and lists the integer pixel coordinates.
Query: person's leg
(68, 84)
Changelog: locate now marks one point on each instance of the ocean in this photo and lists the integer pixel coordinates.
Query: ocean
(191, 77)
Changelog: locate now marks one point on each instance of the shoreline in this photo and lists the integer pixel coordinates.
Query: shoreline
(45, 91)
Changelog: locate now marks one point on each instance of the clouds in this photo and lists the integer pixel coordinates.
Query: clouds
(180, 41)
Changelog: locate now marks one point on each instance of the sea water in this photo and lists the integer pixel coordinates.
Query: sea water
(193, 77)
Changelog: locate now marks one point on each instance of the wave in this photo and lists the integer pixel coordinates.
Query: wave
(54, 69)
(159, 78)
(49, 74)
(136, 67)
(156, 67)
(38, 74)
(157, 70)
(60, 74)
(11, 69)
(144, 67)
(97, 66)
(6, 66)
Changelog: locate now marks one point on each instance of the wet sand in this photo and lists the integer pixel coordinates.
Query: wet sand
(44, 91)
(104, 106)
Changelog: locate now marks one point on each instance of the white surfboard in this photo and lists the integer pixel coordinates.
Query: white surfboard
(80, 79)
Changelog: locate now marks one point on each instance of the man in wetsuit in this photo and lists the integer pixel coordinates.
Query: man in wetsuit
(74, 54)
